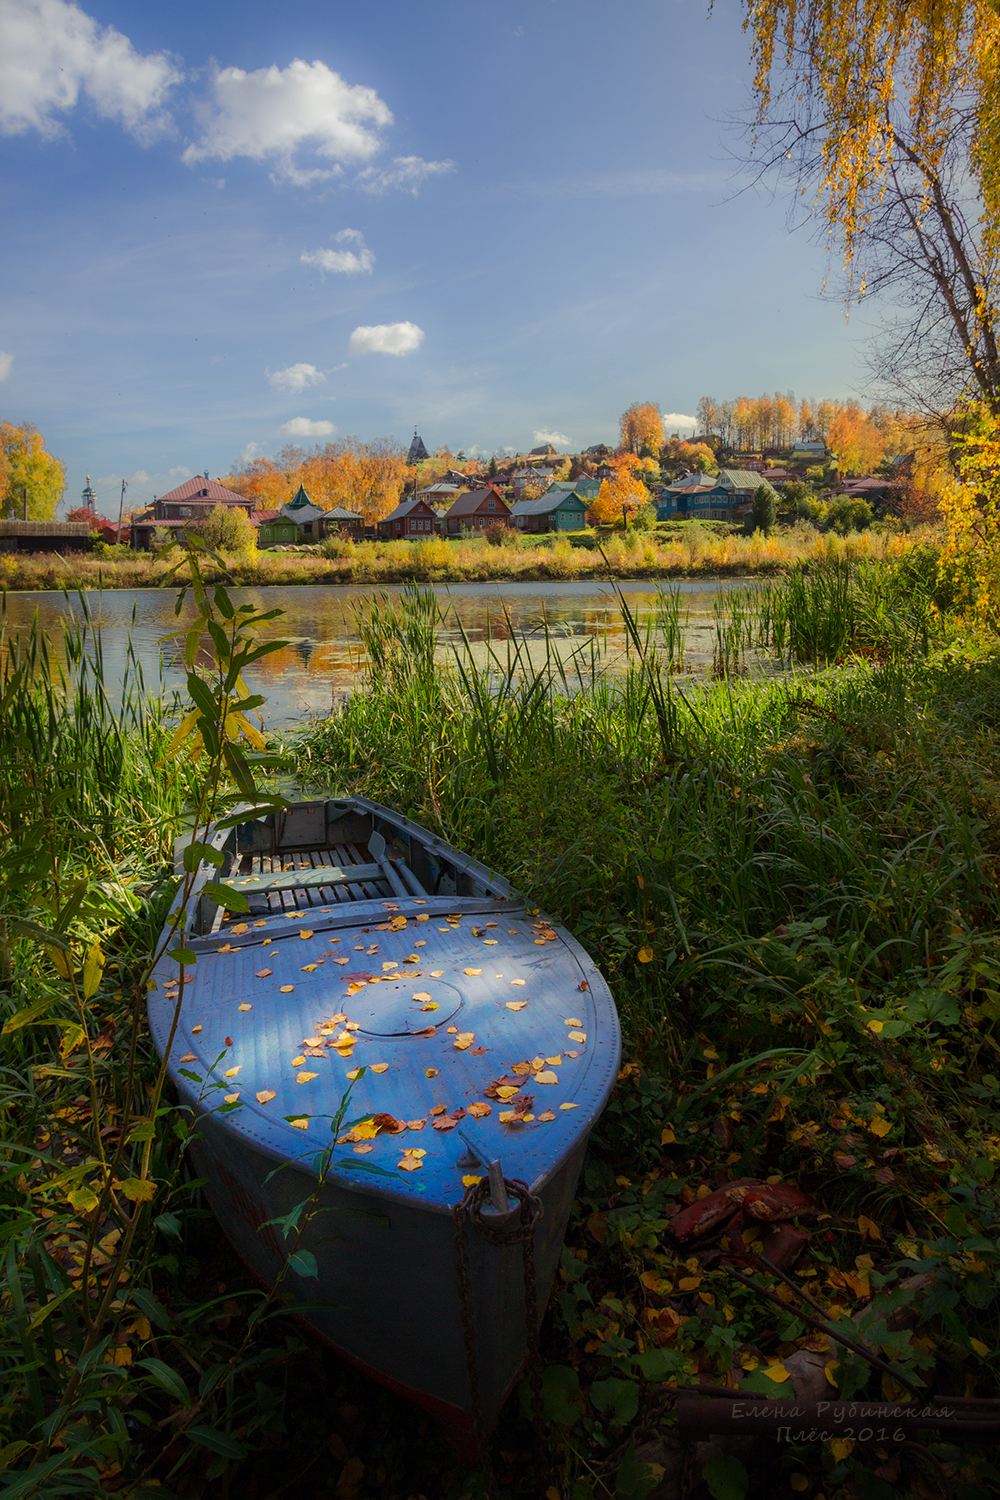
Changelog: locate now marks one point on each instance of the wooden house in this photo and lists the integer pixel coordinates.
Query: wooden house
(727, 496)
(411, 520)
(475, 510)
(189, 503)
(44, 536)
(557, 510)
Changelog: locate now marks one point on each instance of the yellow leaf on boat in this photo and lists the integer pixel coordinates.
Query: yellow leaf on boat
(265, 1096)
(518, 981)
(479, 1111)
(195, 1030)
(573, 1021)
(188, 1057)
(516, 1004)
(304, 1077)
(390, 964)
(431, 1005)
(436, 973)
(263, 973)
(569, 1106)
(303, 934)
(410, 1164)
(354, 1073)
(421, 995)
(554, 1062)
(465, 1040)
(297, 1062)
(379, 1067)
(286, 989)
(470, 1180)
(548, 1115)
(230, 1098)
(308, 968)
(299, 1124)
(546, 1076)
(363, 1147)
(232, 1072)
(473, 971)
(246, 1007)
(415, 1124)
(577, 1036)
(431, 1073)
(507, 1091)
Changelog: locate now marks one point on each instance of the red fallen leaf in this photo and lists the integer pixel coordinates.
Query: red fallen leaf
(458, 1114)
(508, 1081)
(703, 1214)
(768, 1201)
(389, 1124)
(884, 1175)
(445, 1122)
(105, 1038)
(583, 985)
(314, 1051)
(229, 1041)
(842, 1161)
(438, 1109)
(522, 1105)
(784, 1244)
(478, 1051)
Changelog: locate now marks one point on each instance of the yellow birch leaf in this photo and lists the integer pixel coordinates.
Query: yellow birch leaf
(378, 1067)
(305, 1077)
(265, 1096)
(516, 1004)
(139, 1189)
(286, 989)
(299, 1124)
(232, 1072)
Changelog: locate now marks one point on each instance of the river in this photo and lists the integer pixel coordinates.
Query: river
(324, 654)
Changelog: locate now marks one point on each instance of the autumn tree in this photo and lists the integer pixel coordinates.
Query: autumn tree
(707, 411)
(228, 528)
(854, 440)
(641, 426)
(621, 496)
(31, 480)
(366, 478)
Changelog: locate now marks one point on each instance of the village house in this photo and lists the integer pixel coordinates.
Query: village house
(189, 503)
(412, 518)
(300, 522)
(475, 510)
(557, 510)
(44, 536)
(726, 497)
(441, 493)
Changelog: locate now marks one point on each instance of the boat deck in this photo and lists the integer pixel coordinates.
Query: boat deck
(273, 903)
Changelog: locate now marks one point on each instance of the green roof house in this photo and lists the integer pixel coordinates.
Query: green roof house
(556, 510)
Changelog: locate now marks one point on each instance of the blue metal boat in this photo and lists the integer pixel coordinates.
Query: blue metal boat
(478, 1043)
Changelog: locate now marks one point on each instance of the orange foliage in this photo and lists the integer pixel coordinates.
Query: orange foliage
(623, 494)
(366, 478)
(641, 427)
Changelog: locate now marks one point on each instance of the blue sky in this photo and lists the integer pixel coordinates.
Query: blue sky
(228, 226)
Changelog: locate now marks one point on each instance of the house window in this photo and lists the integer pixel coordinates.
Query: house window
(491, 503)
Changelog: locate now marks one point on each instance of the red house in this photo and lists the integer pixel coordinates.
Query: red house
(410, 519)
(477, 509)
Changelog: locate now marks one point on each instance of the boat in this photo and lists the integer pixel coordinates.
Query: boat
(460, 1045)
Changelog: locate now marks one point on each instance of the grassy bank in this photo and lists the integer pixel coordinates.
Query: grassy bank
(792, 888)
(689, 551)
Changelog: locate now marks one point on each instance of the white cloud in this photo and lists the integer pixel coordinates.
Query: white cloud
(676, 421)
(269, 114)
(51, 52)
(386, 338)
(250, 451)
(557, 439)
(406, 173)
(296, 378)
(6, 365)
(179, 471)
(350, 262)
(303, 427)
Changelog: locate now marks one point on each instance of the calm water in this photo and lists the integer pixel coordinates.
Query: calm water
(325, 655)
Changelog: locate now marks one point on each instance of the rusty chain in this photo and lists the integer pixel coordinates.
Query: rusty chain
(469, 1213)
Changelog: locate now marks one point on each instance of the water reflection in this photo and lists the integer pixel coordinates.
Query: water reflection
(324, 655)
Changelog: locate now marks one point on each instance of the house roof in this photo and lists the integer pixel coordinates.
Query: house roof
(689, 484)
(301, 510)
(192, 489)
(402, 509)
(743, 479)
(341, 513)
(550, 501)
(470, 500)
(441, 488)
(300, 500)
(261, 517)
(417, 452)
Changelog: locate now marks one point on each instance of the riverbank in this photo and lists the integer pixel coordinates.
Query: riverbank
(694, 552)
(792, 892)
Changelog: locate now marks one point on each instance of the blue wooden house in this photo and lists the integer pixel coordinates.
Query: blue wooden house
(726, 496)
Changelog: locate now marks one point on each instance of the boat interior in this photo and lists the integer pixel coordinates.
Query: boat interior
(337, 852)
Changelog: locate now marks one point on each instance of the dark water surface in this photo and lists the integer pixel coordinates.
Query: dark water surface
(325, 655)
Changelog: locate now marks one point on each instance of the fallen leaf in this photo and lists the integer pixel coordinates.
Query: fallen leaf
(297, 1062)
(188, 1057)
(431, 1073)
(518, 981)
(225, 948)
(546, 1076)
(431, 1005)
(304, 1077)
(516, 1004)
(453, 1031)
(470, 1180)
(645, 955)
(354, 1073)
(843, 1161)
(299, 1124)
(572, 1054)
(286, 989)
(436, 973)
(479, 1052)
(880, 1126)
(775, 1371)
(230, 1098)
(421, 995)
(195, 1030)
(583, 985)
(339, 1018)
(554, 1062)
(884, 1175)
(464, 1040)
(390, 964)
(573, 1021)
(363, 1147)
(265, 1096)
(263, 973)
(480, 1111)
(548, 1115)
(238, 929)
(415, 1124)
(473, 971)
(410, 1164)
(507, 1091)
(489, 942)
(379, 1067)
(438, 1109)
(229, 1041)
(232, 1072)
(577, 1036)
(308, 968)
(343, 960)
(246, 1007)
(569, 1106)
(303, 934)
(444, 1123)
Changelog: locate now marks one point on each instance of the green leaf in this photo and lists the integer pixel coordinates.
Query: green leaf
(215, 1441)
(725, 1477)
(225, 896)
(956, 1222)
(21, 927)
(168, 1224)
(196, 854)
(560, 1385)
(30, 1016)
(363, 1166)
(167, 1379)
(210, 1379)
(616, 1399)
(223, 603)
(634, 1479)
(183, 956)
(154, 1310)
(303, 1263)
(760, 1384)
(657, 1365)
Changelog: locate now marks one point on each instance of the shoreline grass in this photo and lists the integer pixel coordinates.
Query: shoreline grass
(791, 887)
(693, 552)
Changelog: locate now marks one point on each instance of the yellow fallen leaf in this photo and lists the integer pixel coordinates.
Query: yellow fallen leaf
(473, 971)
(689, 1283)
(354, 1073)
(507, 1116)
(409, 1164)
(260, 924)
(518, 981)
(308, 968)
(195, 1030)
(265, 1096)
(470, 1180)
(573, 1021)
(507, 1091)
(391, 964)
(246, 1007)
(412, 958)
(548, 1115)
(666, 1136)
(841, 1448)
(431, 1005)
(464, 1040)
(880, 1126)
(304, 1077)
(868, 1229)
(554, 1062)
(297, 1062)
(577, 1036)
(980, 1348)
(421, 995)
(875, 1026)
(230, 1098)
(263, 973)
(188, 1057)
(431, 1073)
(423, 918)
(546, 1076)
(139, 1189)
(238, 929)
(300, 1124)
(436, 973)
(232, 1072)
(479, 1111)
(225, 948)
(489, 942)
(828, 1370)
(286, 989)
(569, 1106)
(363, 1147)
(379, 1067)
(303, 934)
(416, 1124)
(775, 1371)
(516, 1004)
